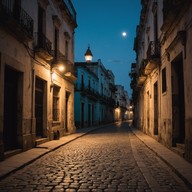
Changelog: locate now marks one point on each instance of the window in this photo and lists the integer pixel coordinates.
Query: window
(56, 90)
(164, 81)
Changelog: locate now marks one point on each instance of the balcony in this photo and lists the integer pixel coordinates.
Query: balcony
(87, 91)
(43, 47)
(140, 81)
(153, 57)
(68, 10)
(16, 21)
(141, 76)
(171, 11)
(69, 69)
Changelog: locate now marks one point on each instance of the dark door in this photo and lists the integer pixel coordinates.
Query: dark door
(148, 112)
(178, 103)
(66, 110)
(10, 109)
(156, 109)
(39, 87)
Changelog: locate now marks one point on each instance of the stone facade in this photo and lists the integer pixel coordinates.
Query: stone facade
(37, 99)
(161, 79)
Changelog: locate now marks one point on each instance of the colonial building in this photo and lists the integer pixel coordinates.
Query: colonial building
(161, 76)
(36, 72)
(94, 93)
(122, 103)
(86, 97)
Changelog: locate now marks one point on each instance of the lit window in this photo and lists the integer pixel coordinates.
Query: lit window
(56, 90)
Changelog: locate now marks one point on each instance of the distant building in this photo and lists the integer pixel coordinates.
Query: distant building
(161, 76)
(122, 103)
(94, 94)
(86, 97)
(37, 97)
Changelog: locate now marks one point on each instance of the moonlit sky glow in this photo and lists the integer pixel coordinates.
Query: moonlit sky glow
(124, 34)
(101, 24)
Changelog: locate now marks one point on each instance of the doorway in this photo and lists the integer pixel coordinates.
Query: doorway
(39, 95)
(155, 108)
(178, 103)
(67, 95)
(11, 109)
(148, 113)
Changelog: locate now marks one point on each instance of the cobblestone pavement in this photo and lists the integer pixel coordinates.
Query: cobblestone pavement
(107, 159)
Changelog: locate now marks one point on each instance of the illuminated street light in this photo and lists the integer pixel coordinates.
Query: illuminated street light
(88, 55)
(59, 67)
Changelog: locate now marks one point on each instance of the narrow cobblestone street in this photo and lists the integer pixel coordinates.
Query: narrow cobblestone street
(107, 159)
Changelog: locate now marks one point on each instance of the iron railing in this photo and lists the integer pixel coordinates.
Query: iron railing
(42, 42)
(153, 50)
(17, 13)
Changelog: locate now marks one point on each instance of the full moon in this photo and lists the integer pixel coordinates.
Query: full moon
(124, 34)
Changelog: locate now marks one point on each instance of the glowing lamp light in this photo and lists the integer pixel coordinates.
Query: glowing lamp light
(53, 76)
(88, 55)
(61, 68)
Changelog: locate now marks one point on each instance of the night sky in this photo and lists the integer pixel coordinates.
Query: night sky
(100, 25)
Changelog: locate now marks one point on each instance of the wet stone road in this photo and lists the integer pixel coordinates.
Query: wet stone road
(107, 159)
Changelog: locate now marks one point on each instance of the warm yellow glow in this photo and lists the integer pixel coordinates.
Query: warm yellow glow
(88, 58)
(61, 68)
(53, 76)
(117, 110)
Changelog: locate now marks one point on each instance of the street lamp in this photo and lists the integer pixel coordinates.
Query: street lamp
(56, 67)
(60, 67)
(88, 55)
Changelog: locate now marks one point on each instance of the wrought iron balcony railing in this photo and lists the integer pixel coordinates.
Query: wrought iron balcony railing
(9, 11)
(43, 46)
(153, 50)
(87, 90)
(41, 41)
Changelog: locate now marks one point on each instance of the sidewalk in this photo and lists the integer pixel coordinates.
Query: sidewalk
(20, 160)
(180, 166)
